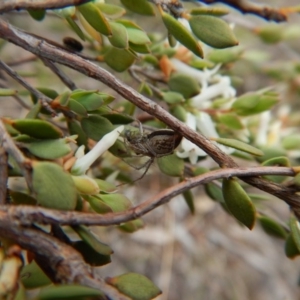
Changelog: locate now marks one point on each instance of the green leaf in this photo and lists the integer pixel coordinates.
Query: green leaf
(231, 121)
(272, 227)
(189, 199)
(295, 231)
(7, 92)
(37, 128)
(171, 165)
(271, 33)
(239, 146)
(95, 18)
(32, 276)
(90, 239)
(78, 108)
(206, 10)
(135, 286)
(173, 97)
(213, 31)
(90, 256)
(254, 103)
(53, 187)
(90, 100)
(75, 129)
(22, 198)
(186, 85)
(143, 7)
(63, 98)
(49, 149)
(214, 192)
(238, 202)
(119, 37)
(75, 292)
(37, 14)
(225, 56)
(137, 36)
(282, 161)
(105, 186)
(291, 142)
(179, 112)
(98, 205)
(115, 118)
(182, 34)
(110, 10)
(291, 250)
(119, 59)
(132, 226)
(117, 202)
(75, 27)
(95, 127)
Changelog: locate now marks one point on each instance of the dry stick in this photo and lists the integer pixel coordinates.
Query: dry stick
(62, 76)
(3, 175)
(65, 263)
(43, 49)
(26, 215)
(246, 7)
(37, 4)
(44, 99)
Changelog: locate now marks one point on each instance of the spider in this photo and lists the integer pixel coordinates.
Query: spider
(156, 144)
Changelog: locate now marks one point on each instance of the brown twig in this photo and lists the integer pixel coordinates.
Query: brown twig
(43, 49)
(246, 7)
(44, 99)
(9, 5)
(26, 215)
(63, 263)
(62, 76)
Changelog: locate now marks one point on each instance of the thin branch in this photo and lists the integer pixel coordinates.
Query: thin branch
(10, 147)
(62, 76)
(21, 61)
(43, 49)
(9, 5)
(246, 7)
(26, 215)
(44, 99)
(3, 175)
(66, 264)
(18, 99)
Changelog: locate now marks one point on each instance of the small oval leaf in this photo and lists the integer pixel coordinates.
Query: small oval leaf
(213, 31)
(238, 202)
(95, 18)
(53, 187)
(182, 34)
(135, 286)
(272, 227)
(239, 146)
(171, 165)
(36, 128)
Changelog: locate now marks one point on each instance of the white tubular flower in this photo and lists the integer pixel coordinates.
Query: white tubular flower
(222, 88)
(202, 76)
(188, 148)
(83, 163)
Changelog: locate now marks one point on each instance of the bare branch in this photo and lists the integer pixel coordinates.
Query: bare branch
(26, 215)
(3, 175)
(44, 99)
(63, 77)
(246, 7)
(9, 5)
(66, 264)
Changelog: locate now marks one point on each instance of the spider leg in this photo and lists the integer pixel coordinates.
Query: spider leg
(147, 166)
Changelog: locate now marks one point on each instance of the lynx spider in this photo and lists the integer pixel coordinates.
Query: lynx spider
(156, 144)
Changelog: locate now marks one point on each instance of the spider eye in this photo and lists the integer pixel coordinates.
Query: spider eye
(128, 134)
